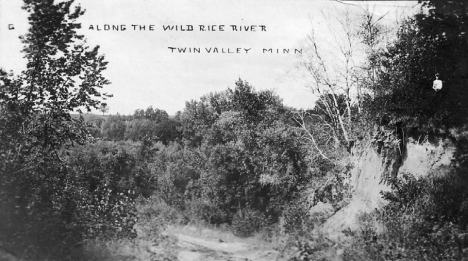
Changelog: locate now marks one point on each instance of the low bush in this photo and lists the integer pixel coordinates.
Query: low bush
(296, 219)
(248, 222)
(83, 193)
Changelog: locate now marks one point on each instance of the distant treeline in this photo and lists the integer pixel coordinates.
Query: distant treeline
(149, 123)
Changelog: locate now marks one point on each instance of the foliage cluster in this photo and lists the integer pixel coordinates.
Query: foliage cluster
(54, 196)
(239, 162)
(426, 219)
(90, 193)
(428, 43)
(152, 243)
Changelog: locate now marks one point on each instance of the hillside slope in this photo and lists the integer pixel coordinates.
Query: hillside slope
(372, 167)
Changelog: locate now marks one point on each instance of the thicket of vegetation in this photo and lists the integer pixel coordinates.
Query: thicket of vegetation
(237, 157)
(427, 44)
(426, 218)
(231, 156)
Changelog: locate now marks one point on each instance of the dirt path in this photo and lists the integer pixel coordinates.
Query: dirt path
(198, 249)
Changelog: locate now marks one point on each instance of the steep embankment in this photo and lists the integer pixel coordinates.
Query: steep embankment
(373, 165)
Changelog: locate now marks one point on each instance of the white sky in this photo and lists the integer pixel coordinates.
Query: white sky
(144, 72)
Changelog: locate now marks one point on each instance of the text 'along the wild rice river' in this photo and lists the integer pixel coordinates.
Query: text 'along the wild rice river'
(179, 28)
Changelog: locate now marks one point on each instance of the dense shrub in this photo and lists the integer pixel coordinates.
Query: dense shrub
(296, 219)
(240, 154)
(55, 205)
(423, 221)
(121, 166)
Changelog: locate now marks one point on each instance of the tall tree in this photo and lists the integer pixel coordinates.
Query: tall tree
(428, 43)
(62, 76)
(336, 67)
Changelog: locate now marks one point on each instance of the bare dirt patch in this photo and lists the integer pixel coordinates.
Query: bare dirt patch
(200, 246)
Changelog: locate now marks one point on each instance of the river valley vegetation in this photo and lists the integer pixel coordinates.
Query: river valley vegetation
(80, 186)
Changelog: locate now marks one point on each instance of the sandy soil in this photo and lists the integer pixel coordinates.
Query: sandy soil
(199, 249)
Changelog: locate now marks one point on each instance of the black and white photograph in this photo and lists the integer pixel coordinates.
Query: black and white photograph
(249, 130)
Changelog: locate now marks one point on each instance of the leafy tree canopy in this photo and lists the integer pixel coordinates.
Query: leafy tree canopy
(429, 43)
(63, 75)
